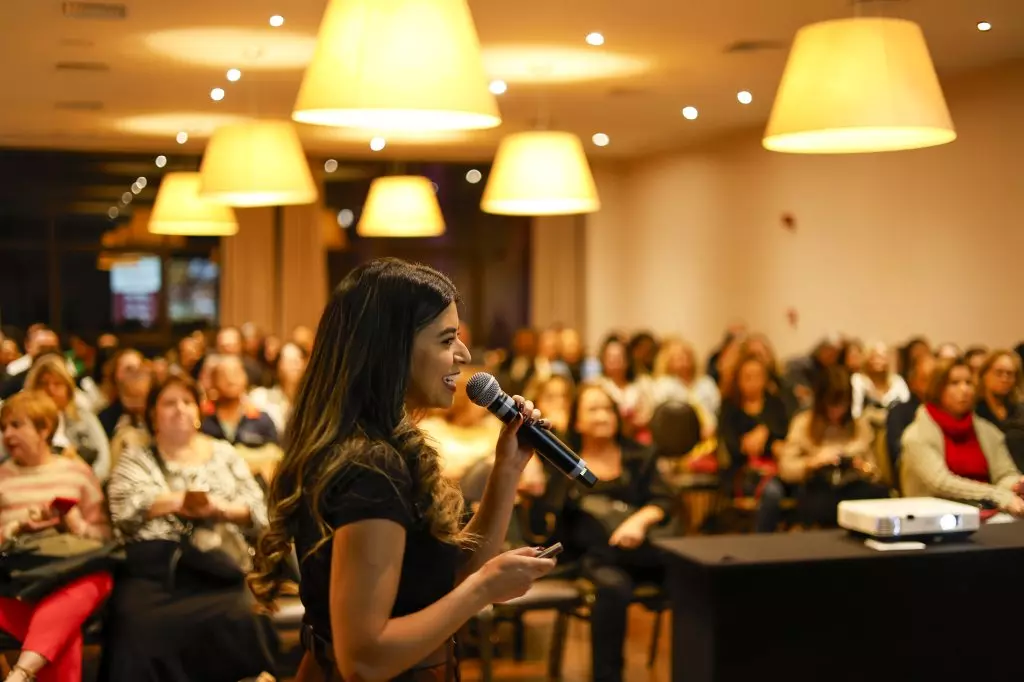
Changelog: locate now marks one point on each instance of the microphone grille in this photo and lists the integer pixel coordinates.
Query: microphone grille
(482, 389)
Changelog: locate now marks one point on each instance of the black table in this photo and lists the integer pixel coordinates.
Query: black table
(822, 606)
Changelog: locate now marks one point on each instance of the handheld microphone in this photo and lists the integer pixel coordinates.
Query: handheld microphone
(483, 389)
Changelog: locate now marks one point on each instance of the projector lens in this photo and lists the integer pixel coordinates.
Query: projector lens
(947, 522)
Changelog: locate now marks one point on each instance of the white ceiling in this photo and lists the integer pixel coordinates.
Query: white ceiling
(160, 62)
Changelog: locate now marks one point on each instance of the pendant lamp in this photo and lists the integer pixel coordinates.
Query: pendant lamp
(391, 65)
(179, 209)
(540, 173)
(858, 85)
(401, 206)
(257, 163)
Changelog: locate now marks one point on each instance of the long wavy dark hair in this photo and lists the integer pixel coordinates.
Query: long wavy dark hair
(350, 408)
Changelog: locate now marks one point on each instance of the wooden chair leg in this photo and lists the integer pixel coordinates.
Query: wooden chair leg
(486, 635)
(652, 656)
(557, 651)
(518, 638)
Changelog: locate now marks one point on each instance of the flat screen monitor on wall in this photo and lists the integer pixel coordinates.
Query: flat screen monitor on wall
(135, 288)
(193, 286)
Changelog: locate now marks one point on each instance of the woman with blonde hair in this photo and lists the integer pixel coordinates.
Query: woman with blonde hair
(876, 387)
(389, 572)
(77, 428)
(676, 378)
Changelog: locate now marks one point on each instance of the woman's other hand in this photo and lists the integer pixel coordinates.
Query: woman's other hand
(510, 575)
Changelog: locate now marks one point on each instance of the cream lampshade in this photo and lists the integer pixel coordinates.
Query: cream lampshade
(858, 85)
(258, 163)
(540, 173)
(387, 65)
(179, 209)
(401, 206)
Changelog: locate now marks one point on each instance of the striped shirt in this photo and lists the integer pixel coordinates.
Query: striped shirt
(25, 488)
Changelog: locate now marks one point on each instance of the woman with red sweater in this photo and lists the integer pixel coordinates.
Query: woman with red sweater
(949, 452)
(50, 630)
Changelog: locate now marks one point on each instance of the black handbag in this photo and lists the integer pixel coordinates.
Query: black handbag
(35, 565)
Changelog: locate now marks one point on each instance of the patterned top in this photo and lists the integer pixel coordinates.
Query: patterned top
(137, 481)
(25, 488)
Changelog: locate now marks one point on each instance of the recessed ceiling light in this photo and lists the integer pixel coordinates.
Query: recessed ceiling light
(600, 139)
(161, 161)
(217, 94)
(595, 39)
(498, 87)
(744, 97)
(689, 113)
(112, 212)
(474, 176)
(126, 198)
(142, 182)
(984, 26)
(135, 188)
(330, 165)
(277, 20)
(180, 138)
(378, 143)
(346, 217)
(234, 75)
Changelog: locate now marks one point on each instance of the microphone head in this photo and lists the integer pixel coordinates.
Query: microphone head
(482, 389)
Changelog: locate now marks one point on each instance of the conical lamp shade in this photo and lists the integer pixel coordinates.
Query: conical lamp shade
(386, 65)
(179, 209)
(858, 85)
(540, 173)
(259, 163)
(401, 206)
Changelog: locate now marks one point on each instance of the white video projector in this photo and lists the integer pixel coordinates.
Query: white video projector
(909, 518)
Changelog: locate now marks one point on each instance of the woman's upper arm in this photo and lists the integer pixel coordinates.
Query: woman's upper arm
(133, 487)
(366, 563)
(248, 491)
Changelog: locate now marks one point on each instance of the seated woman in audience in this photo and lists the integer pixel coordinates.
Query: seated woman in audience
(675, 378)
(606, 527)
(828, 454)
(876, 389)
(554, 399)
(124, 361)
(132, 390)
(948, 453)
(174, 621)
(277, 401)
(909, 352)
(76, 428)
(852, 356)
(759, 345)
(976, 357)
(50, 630)
(629, 392)
(999, 400)
(753, 425)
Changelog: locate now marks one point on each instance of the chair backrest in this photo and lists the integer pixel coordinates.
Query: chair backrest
(675, 429)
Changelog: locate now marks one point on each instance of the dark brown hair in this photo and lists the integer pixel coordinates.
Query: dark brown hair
(173, 379)
(832, 388)
(940, 378)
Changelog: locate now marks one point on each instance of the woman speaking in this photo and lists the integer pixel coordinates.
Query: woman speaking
(388, 572)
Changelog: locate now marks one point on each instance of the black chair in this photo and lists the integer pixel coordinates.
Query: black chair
(675, 432)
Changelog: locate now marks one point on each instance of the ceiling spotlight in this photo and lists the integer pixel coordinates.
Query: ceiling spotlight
(180, 138)
(984, 26)
(135, 188)
(217, 94)
(600, 139)
(277, 20)
(126, 198)
(595, 39)
(378, 143)
(142, 182)
(474, 176)
(330, 165)
(161, 160)
(689, 113)
(345, 218)
(498, 87)
(234, 75)
(112, 212)
(744, 97)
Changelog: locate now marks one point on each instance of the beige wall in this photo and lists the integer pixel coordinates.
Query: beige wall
(885, 245)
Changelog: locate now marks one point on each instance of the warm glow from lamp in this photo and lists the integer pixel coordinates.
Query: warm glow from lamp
(858, 85)
(397, 65)
(180, 210)
(540, 173)
(401, 206)
(260, 163)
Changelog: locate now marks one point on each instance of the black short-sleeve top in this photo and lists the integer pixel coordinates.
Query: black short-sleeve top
(378, 485)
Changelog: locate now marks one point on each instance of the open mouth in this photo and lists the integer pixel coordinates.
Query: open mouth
(449, 381)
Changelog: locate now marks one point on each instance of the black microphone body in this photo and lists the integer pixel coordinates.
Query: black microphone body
(483, 389)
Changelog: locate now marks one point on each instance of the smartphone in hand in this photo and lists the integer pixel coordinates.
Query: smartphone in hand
(551, 552)
(62, 505)
(195, 499)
